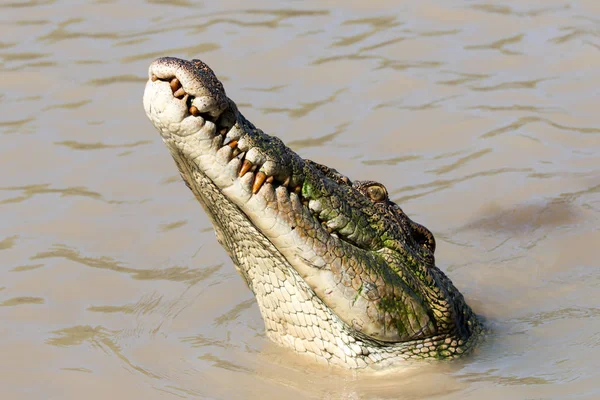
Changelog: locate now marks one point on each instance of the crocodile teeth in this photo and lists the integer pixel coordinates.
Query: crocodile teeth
(232, 144)
(270, 179)
(175, 84)
(259, 179)
(194, 111)
(154, 78)
(245, 167)
(179, 93)
(286, 183)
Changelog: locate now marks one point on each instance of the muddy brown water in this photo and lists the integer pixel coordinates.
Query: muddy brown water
(481, 118)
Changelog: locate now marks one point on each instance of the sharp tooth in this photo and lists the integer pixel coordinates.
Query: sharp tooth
(175, 84)
(223, 131)
(232, 144)
(245, 168)
(286, 183)
(179, 93)
(298, 189)
(217, 142)
(270, 179)
(259, 179)
(154, 78)
(194, 111)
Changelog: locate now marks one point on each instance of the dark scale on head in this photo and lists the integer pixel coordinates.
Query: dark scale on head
(378, 194)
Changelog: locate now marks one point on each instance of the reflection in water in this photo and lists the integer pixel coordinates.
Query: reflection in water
(481, 119)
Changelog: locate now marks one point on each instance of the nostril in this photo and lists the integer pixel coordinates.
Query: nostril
(423, 236)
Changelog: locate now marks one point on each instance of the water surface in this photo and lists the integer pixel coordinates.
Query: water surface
(481, 118)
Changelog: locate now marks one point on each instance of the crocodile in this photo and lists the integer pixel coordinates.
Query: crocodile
(340, 273)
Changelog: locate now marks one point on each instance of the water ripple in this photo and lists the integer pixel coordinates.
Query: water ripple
(528, 120)
(99, 145)
(8, 242)
(506, 10)
(530, 84)
(175, 274)
(98, 337)
(29, 3)
(460, 162)
(319, 141)
(19, 301)
(500, 45)
(304, 108)
(32, 190)
(443, 184)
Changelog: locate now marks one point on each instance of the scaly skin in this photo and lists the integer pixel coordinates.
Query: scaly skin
(338, 270)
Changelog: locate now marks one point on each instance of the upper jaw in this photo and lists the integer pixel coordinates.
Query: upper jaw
(188, 105)
(181, 97)
(192, 78)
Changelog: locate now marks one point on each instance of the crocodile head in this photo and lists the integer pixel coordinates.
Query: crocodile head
(339, 271)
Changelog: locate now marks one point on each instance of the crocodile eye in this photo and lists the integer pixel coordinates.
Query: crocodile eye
(377, 193)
